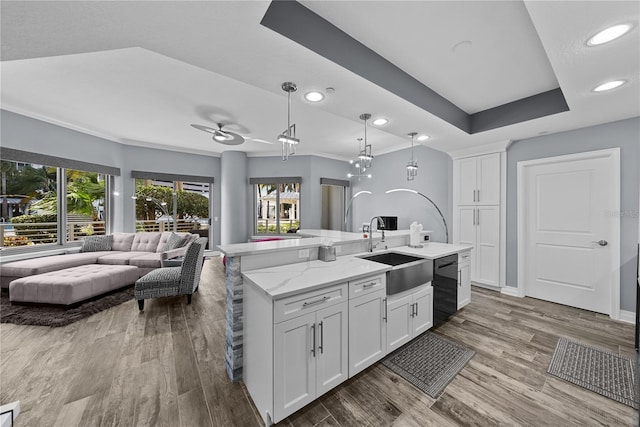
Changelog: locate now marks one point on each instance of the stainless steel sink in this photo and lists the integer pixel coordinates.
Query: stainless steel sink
(408, 271)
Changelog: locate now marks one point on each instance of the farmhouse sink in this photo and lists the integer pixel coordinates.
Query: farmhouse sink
(408, 271)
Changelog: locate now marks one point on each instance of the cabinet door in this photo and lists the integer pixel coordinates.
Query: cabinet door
(367, 331)
(423, 312)
(487, 256)
(488, 179)
(294, 365)
(332, 341)
(399, 321)
(467, 181)
(464, 284)
(466, 233)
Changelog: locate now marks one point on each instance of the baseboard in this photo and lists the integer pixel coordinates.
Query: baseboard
(509, 290)
(627, 316)
(490, 287)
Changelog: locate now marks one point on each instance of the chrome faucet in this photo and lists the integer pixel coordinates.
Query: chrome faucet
(381, 228)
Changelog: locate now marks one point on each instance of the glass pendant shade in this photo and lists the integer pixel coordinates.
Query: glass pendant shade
(288, 137)
(412, 166)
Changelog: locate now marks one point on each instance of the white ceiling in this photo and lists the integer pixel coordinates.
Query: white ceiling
(141, 72)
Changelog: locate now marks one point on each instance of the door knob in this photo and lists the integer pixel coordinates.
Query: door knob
(601, 242)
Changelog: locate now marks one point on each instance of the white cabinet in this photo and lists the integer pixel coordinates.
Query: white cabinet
(479, 180)
(310, 356)
(479, 226)
(409, 314)
(464, 279)
(295, 348)
(367, 328)
(479, 215)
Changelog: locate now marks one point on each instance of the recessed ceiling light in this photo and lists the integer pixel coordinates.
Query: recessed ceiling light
(380, 121)
(423, 137)
(609, 85)
(609, 34)
(314, 96)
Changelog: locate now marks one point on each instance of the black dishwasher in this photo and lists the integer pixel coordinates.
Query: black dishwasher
(445, 288)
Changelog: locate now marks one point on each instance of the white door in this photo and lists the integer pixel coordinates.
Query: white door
(399, 321)
(487, 250)
(423, 312)
(332, 340)
(467, 181)
(464, 284)
(294, 364)
(367, 331)
(488, 184)
(570, 206)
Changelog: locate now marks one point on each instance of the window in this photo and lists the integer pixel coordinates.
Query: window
(158, 202)
(277, 207)
(32, 196)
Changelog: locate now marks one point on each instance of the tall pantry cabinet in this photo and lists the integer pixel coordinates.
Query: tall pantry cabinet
(479, 191)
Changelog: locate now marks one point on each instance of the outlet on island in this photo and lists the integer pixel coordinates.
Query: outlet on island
(303, 253)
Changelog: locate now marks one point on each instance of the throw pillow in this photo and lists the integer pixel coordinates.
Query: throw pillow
(96, 243)
(174, 242)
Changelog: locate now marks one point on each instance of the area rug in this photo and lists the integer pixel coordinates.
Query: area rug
(55, 316)
(429, 362)
(603, 372)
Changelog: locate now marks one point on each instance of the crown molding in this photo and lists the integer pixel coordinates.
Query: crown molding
(494, 147)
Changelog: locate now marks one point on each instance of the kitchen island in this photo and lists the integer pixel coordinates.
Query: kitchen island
(245, 257)
(311, 325)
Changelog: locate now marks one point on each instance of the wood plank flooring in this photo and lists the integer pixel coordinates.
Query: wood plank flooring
(166, 368)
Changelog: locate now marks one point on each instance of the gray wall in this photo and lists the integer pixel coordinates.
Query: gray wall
(624, 134)
(24, 133)
(434, 179)
(310, 169)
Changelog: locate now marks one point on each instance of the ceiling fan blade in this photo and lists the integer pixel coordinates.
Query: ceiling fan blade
(261, 140)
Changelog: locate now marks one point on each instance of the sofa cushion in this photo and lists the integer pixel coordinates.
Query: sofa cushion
(122, 241)
(30, 267)
(148, 260)
(96, 243)
(145, 242)
(119, 258)
(175, 241)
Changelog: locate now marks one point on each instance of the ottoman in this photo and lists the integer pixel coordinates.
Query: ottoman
(72, 285)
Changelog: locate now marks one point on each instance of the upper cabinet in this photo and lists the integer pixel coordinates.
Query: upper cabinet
(479, 180)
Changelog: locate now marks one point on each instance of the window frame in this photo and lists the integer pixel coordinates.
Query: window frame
(277, 181)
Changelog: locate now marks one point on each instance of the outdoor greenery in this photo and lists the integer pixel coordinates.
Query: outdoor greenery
(37, 232)
(190, 204)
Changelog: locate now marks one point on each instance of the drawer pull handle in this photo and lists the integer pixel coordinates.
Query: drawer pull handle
(368, 285)
(318, 301)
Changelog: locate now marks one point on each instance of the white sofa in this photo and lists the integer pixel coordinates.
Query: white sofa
(144, 251)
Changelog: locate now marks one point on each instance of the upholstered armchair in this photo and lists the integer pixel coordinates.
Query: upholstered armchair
(172, 281)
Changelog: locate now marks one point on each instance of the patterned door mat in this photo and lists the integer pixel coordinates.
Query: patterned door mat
(429, 362)
(609, 374)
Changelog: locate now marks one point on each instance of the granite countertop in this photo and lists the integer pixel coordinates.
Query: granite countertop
(291, 279)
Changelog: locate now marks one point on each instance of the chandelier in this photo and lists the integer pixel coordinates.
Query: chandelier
(365, 158)
(412, 166)
(288, 137)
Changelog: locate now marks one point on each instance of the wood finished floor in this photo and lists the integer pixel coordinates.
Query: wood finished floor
(166, 368)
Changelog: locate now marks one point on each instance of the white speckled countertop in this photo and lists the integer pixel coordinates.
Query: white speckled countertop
(286, 280)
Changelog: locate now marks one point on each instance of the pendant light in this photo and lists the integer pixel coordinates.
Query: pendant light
(288, 137)
(412, 166)
(365, 158)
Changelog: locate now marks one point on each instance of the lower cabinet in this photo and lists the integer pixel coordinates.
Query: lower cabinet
(409, 314)
(464, 279)
(310, 357)
(367, 330)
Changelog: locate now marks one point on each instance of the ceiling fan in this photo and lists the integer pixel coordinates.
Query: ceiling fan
(226, 137)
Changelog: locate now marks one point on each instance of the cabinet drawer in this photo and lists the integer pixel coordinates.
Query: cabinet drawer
(464, 257)
(367, 285)
(308, 302)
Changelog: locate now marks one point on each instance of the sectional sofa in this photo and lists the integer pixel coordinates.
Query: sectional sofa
(72, 278)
